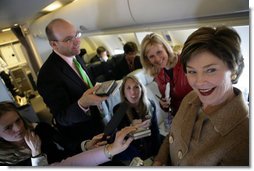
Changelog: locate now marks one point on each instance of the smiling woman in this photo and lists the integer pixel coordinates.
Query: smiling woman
(210, 78)
(159, 60)
(213, 62)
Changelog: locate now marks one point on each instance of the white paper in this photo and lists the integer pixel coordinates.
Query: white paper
(167, 91)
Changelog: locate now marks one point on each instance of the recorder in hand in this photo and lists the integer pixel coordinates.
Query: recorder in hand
(143, 128)
(140, 133)
(106, 88)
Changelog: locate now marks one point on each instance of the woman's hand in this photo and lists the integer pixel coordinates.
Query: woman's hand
(120, 144)
(139, 124)
(165, 104)
(136, 122)
(146, 123)
(33, 141)
(95, 142)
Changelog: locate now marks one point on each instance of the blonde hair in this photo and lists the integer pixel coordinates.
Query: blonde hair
(147, 42)
(143, 105)
(177, 49)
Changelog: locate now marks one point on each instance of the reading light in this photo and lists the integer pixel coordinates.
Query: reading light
(53, 6)
(7, 29)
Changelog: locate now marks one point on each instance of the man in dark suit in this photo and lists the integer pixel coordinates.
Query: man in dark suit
(69, 97)
(127, 62)
(101, 55)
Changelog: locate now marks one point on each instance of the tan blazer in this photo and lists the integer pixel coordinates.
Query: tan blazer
(218, 138)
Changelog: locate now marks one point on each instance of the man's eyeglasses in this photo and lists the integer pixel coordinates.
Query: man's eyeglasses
(70, 39)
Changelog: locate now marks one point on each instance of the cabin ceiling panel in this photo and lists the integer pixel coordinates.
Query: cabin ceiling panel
(94, 16)
(91, 15)
(172, 10)
(19, 11)
(97, 14)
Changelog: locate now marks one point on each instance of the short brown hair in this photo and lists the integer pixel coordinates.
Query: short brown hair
(130, 47)
(100, 49)
(221, 41)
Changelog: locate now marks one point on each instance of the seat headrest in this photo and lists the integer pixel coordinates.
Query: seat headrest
(142, 76)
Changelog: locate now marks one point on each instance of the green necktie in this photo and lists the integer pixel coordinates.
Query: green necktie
(82, 73)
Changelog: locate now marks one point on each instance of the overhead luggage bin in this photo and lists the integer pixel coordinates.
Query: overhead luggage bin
(182, 10)
(91, 16)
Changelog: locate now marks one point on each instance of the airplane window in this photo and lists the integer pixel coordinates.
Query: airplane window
(243, 82)
(141, 35)
(118, 51)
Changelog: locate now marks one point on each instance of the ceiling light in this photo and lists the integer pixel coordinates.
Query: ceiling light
(7, 29)
(53, 6)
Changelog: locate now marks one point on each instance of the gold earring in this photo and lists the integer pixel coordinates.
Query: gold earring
(233, 77)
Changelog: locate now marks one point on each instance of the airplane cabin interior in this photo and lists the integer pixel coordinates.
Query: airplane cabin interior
(110, 24)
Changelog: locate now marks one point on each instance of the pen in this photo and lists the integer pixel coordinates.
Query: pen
(158, 96)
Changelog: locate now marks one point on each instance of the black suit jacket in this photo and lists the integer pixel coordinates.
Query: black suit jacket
(61, 88)
(121, 67)
(96, 58)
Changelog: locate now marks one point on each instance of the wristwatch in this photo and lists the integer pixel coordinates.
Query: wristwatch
(107, 153)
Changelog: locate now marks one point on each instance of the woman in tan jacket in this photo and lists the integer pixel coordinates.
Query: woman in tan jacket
(211, 126)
